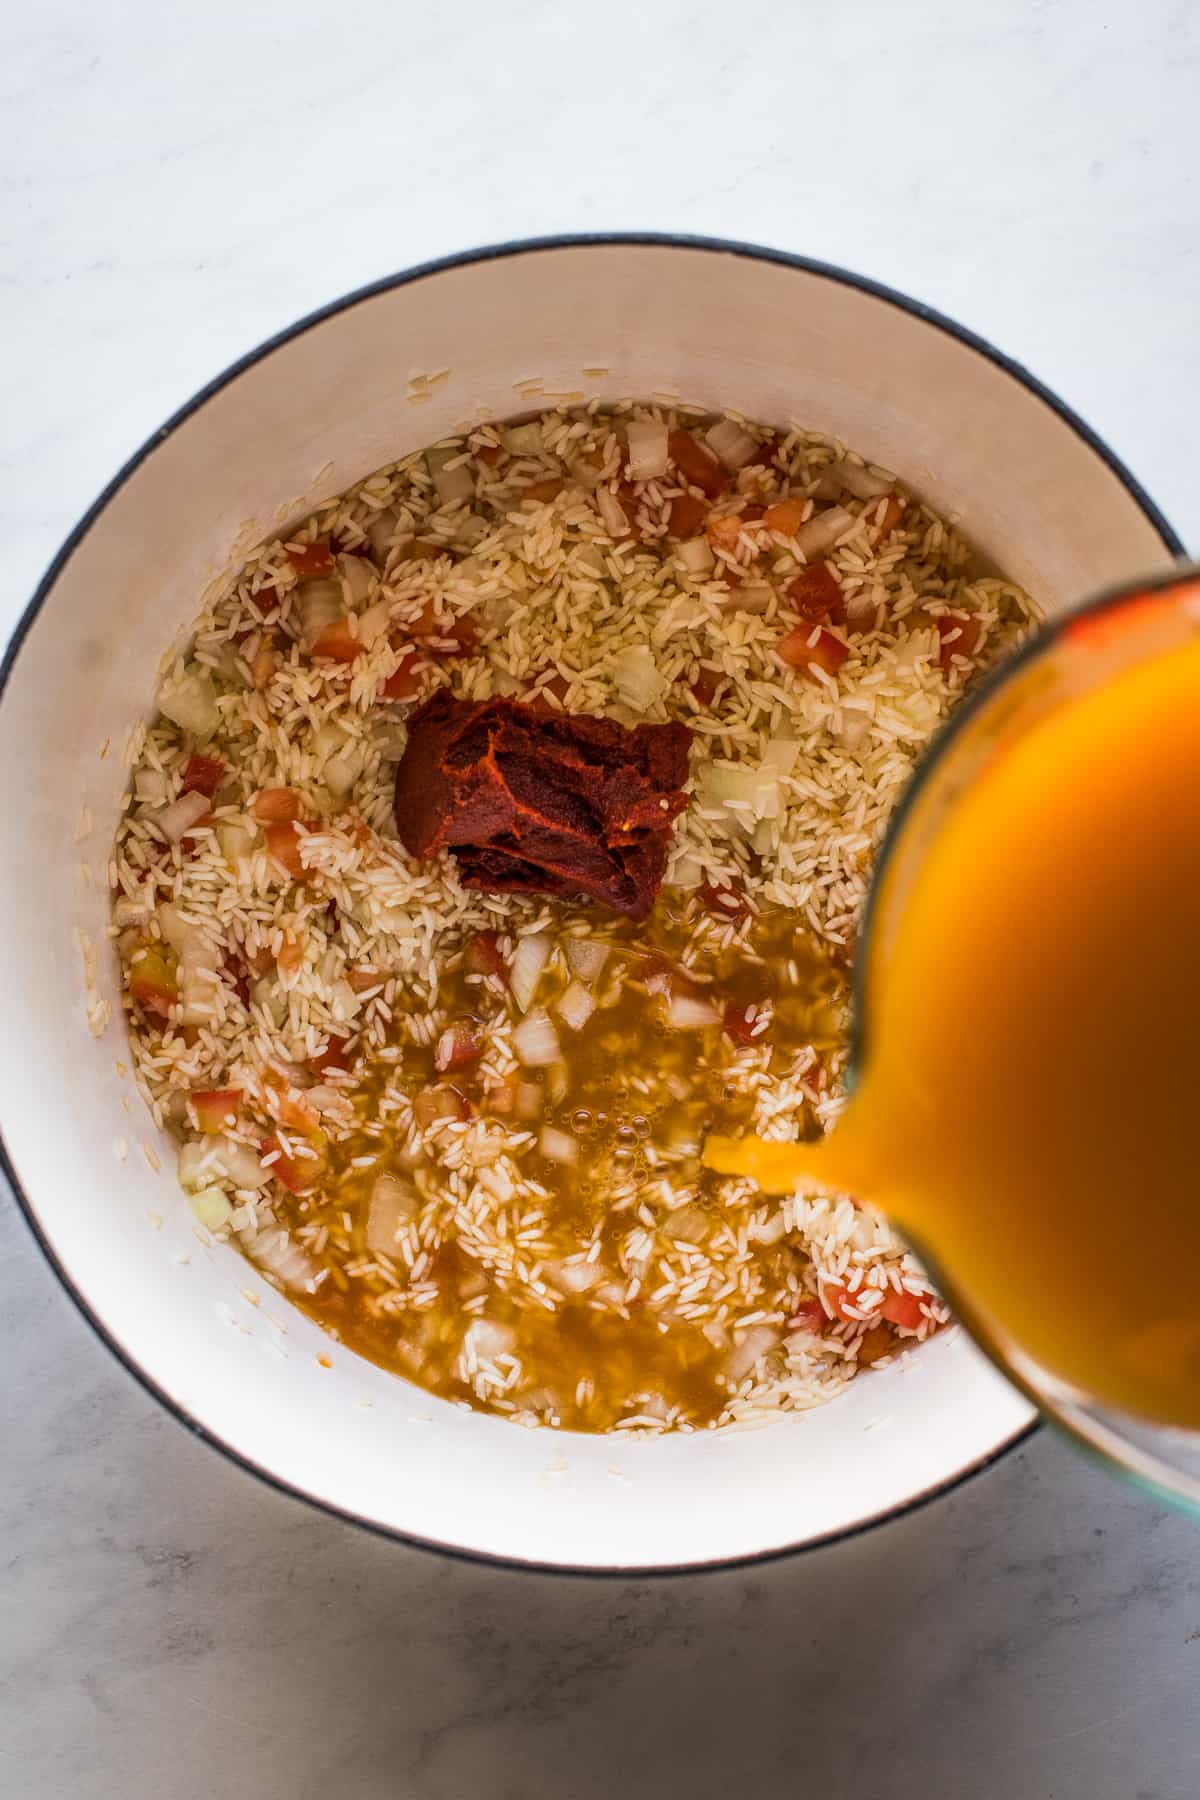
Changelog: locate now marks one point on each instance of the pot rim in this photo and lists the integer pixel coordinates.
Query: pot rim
(422, 272)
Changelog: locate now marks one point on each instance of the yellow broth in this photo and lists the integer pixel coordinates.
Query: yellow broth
(637, 1097)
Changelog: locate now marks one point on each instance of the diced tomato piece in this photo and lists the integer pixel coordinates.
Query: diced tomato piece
(765, 455)
(202, 775)
(311, 559)
(554, 686)
(838, 1302)
(459, 639)
(283, 842)
(814, 1077)
(786, 516)
(483, 956)
(884, 515)
(490, 454)
(337, 641)
(238, 976)
(724, 532)
(363, 980)
(696, 464)
(288, 1107)
(549, 489)
(903, 1309)
(809, 1315)
(663, 977)
(745, 1025)
(705, 685)
(876, 1342)
(449, 636)
(816, 594)
(725, 902)
(295, 1173)
(215, 1107)
(152, 981)
(687, 516)
(337, 1054)
(275, 806)
(959, 634)
(459, 1045)
(812, 647)
(405, 681)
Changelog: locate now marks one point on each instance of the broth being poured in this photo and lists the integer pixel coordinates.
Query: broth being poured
(1032, 1059)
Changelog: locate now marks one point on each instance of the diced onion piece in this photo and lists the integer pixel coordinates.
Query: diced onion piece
(612, 513)
(318, 605)
(151, 786)
(748, 793)
(525, 440)
(197, 1165)
(730, 444)
(394, 1204)
(864, 484)
(340, 772)
(855, 726)
(433, 1104)
(689, 1224)
(211, 1206)
(749, 1348)
(780, 755)
(358, 578)
(484, 1339)
(529, 960)
(686, 871)
(574, 1276)
(176, 820)
(558, 1146)
(529, 1100)
(128, 911)
(380, 532)
(586, 956)
(191, 702)
(279, 1254)
(373, 623)
(241, 1164)
(452, 484)
(576, 1004)
(688, 1012)
(822, 531)
(696, 555)
(755, 597)
(536, 1041)
(647, 449)
(861, 610)
(636, 677)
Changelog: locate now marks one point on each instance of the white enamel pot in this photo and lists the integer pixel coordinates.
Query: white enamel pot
(298, 420)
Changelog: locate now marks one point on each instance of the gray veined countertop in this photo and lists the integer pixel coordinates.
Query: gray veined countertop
(177, 184)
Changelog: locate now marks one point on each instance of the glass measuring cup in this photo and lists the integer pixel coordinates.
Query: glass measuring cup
(1068, 658)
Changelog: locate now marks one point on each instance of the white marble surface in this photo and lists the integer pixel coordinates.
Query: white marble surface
(178, 182)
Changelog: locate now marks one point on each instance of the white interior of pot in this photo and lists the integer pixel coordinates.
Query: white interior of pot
(312, 417)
